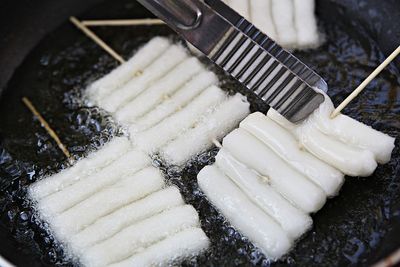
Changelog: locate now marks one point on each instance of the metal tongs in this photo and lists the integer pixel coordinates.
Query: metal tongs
(250, 56)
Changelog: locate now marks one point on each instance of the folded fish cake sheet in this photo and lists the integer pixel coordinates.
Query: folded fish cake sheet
(168, 108)
(118, 211)
(286, 146)
(125, 72)
(175, 102)
(287, 170)
(83, 168)
(294, 221)
(244, 215)
(290, 23)
(294, 186)
(212, 127)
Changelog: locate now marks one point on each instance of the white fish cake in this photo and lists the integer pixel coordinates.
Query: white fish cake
(215, 126)
(109, 225)
(351, 131)
(295, 187)
(261, 17)
(243, 214)
(167, 252)
(344, 143)
(123, 166)
(140, 235)
(161, 89)
(287, 147)
(126, 71)
(294, 221)
(176, 102)
(152, 139)
(84, 167)
(283, 15)
(169, 59)
(306, 24)
(106, 201)
(350, 160)
(240, 6)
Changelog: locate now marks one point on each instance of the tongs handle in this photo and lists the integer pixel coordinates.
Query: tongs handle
(185, 15)
(193, 19)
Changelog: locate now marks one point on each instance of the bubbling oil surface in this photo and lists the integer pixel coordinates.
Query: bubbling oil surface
(350, 229)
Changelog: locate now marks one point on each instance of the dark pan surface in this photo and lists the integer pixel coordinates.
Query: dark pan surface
(358, 227)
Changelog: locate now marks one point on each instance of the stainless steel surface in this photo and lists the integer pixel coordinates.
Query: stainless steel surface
(233, 43)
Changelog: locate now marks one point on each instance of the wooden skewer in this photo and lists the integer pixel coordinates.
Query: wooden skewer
(392, 260)
(217, 143)
(96, 39)
(361, 87)
(122, 22)
(46, 126)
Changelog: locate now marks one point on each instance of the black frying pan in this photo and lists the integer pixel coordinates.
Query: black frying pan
(359, 227)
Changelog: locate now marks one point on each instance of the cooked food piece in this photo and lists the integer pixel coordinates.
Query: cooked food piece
(350, 160)
(261, 17)
(240, 6)
(294, 186)
(242, 213)
(152, 139)
(293, 221)
(84, 167)
(160, 67)
(126, 71)
(306, 24)
(109, 225)
(106, 201)
(344, 143)
(137, 237)
(176, 102)
(283, 143)
(283, 15)
(213, 126)
(125, 165)
(291, 23)
(353, 132)
(168, 98)
(182, 245)
(161, 89)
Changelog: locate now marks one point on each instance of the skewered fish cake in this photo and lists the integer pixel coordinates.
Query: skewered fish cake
(84, 167)
(125, 72)
(348, 145)
(126, 165)
(176, 102)
(213, 127)
(94, 230)
(154, 138)
(242, 213)
(293, 221)
(154, 95)
(140, 235)
(283, 16)
(265, 148)
(161, 66)
(109, 225)
(131, 188)
(294, 186)
(291, 23)
(168, 251)
(261, 17)
(286, 146)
